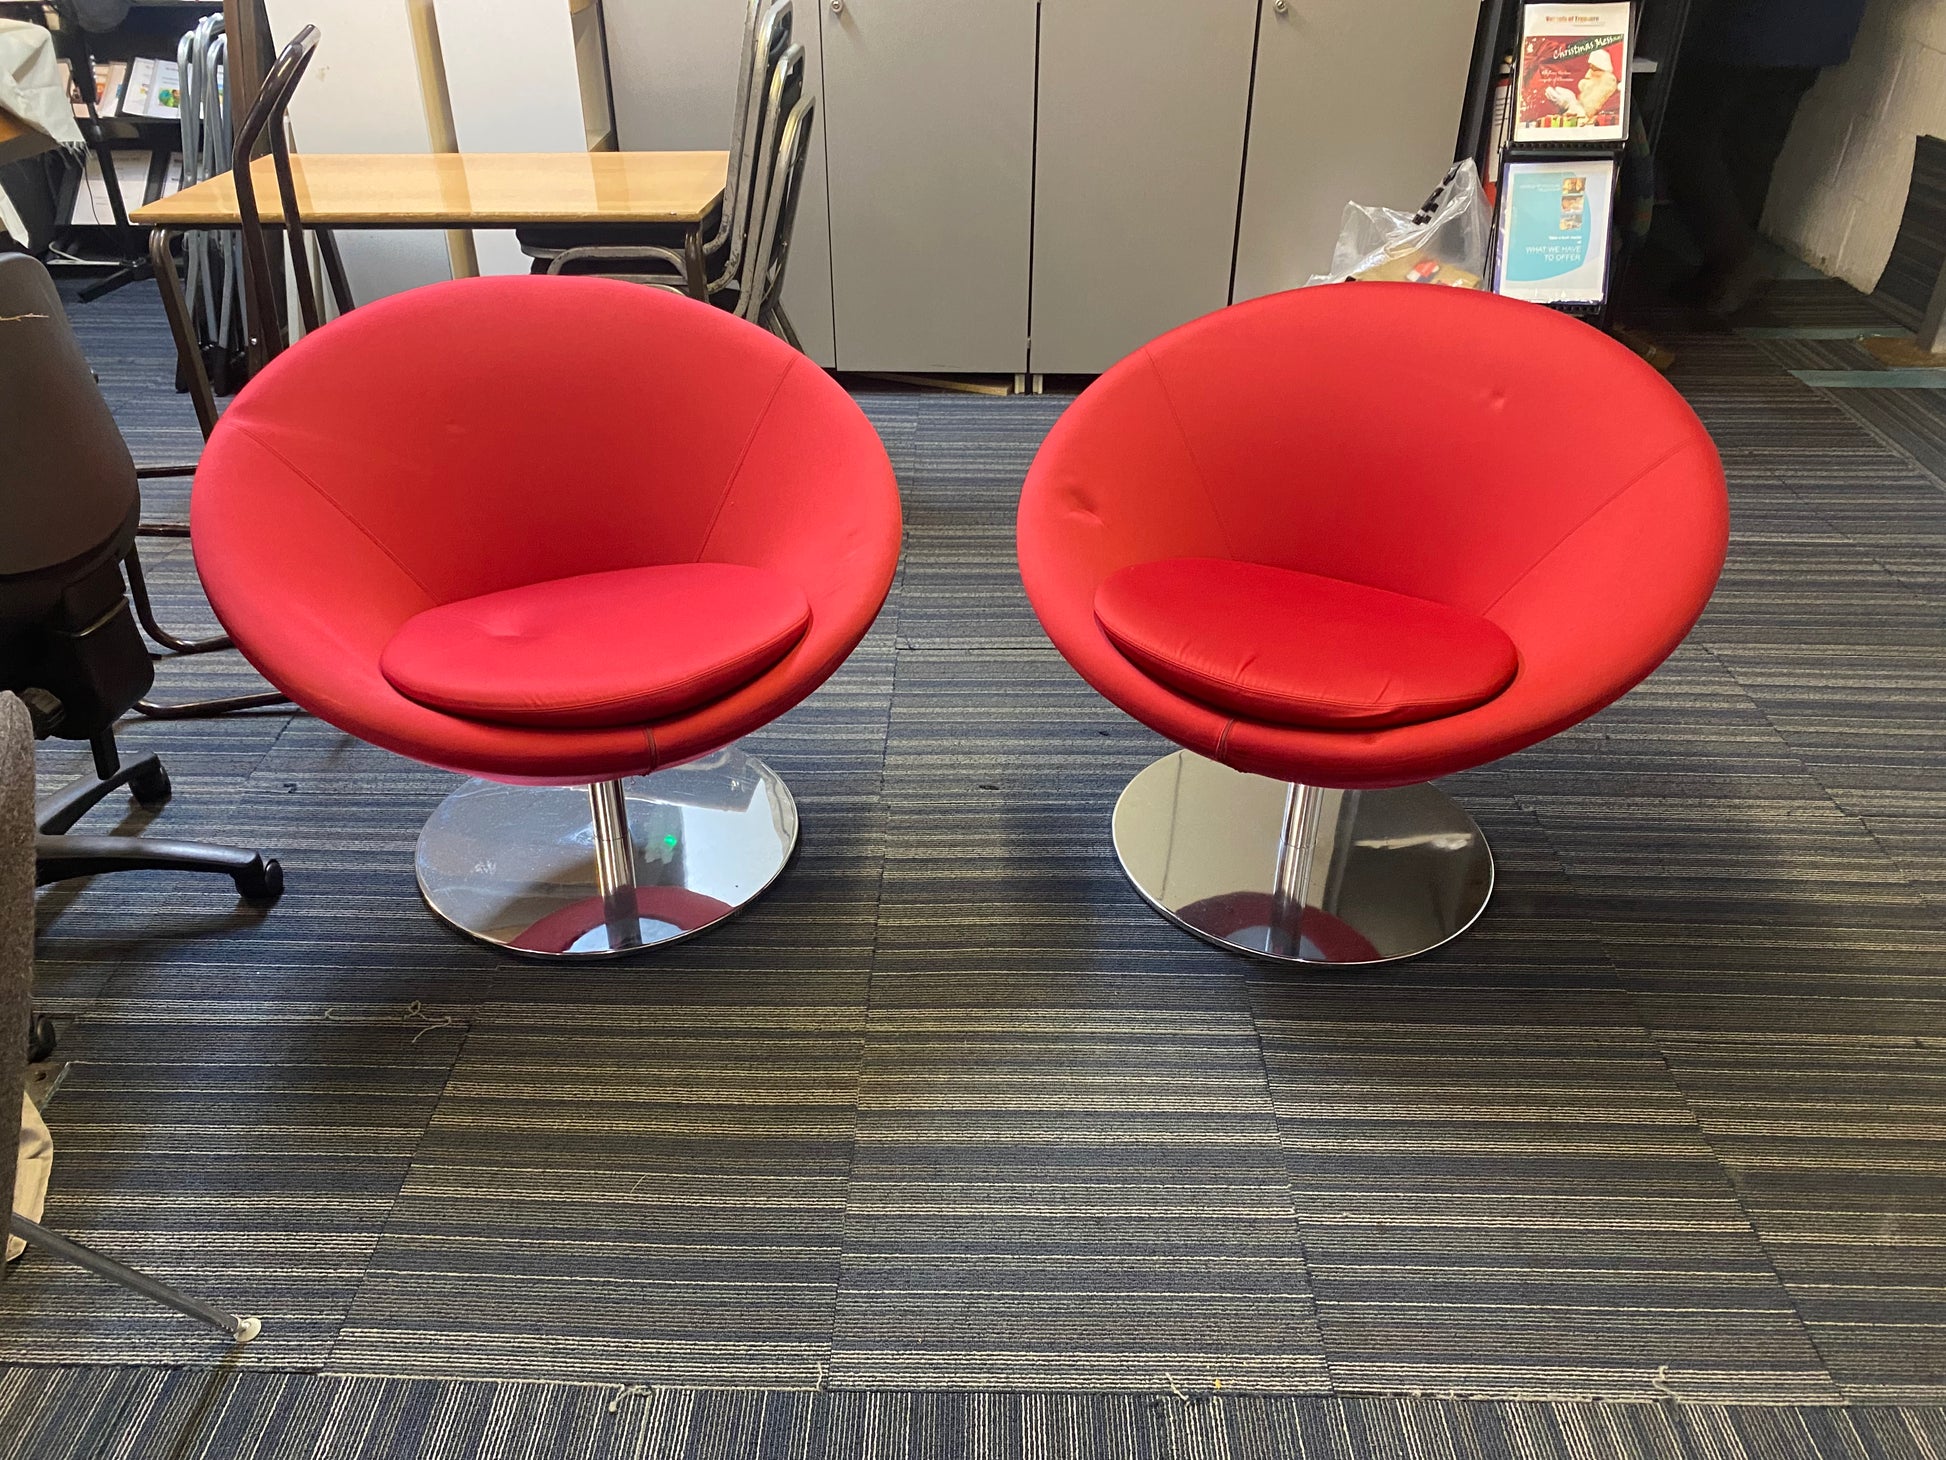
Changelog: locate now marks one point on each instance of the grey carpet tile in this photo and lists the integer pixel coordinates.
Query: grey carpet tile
(1062, 1199)
(1912, 421)
(1690, 732)
(1743, 412)
(54, 1412)
(249, 1158)
(1819, 354)
(1501, 1191)
(1812, 302)
(646, 1193)
(1067, 1172)
(1914, 843)
(1836, 1150)
(1754, 1433)
(963, 587)
(150, 1414)
(1867, 715)
(1713, 973)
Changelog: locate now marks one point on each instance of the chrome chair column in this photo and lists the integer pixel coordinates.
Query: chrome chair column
(1301, 874)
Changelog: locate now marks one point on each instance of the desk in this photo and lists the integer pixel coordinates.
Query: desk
(438, 191)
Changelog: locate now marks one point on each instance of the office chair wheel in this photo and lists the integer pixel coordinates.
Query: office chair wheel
(261, 882)
(42, 1039)
(150, 785)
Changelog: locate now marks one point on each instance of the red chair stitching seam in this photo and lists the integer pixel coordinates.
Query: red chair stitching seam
(1562, 541)
(743, 456)
(333, 503)
(1202, 477)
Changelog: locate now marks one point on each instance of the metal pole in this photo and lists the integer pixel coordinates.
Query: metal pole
(34, 1234)
(1296, 850)
(615, 864)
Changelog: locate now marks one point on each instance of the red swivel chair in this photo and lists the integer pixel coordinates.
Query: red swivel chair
(1338, 542)
(556, 534)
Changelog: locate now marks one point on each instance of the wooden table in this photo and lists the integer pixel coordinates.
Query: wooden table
(438, 191)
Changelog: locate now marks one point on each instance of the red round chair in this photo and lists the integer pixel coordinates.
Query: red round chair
(1340, 541)
(555, 533)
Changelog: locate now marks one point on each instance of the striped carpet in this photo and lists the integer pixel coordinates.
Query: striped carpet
(950, 1147)
(121, 1413)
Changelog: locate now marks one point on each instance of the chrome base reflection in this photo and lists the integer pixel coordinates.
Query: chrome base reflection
(1301, 874)
(609, 870)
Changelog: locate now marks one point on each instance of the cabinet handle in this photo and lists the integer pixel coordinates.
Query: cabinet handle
(837, 7)
(1282, 7)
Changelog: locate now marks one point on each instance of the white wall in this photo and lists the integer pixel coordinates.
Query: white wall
(1840, 186)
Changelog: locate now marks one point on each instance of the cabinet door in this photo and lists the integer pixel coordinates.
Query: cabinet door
(1355, 101)
(673, 69)
(929, 139)
(1143, 106)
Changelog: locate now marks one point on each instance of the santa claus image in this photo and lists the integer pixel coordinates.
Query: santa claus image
(1598, 86)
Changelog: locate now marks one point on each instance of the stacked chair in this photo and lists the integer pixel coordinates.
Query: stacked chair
(770, 139)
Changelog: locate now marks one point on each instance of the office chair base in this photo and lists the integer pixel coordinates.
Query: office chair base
(577, 872)
(259, 879)
(59, 856)
(1301, 874)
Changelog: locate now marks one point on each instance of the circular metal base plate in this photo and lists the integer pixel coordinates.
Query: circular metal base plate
(514, 866)
(1396, 873)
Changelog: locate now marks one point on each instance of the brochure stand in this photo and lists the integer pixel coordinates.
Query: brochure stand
(1565, 132)
(1652, 39)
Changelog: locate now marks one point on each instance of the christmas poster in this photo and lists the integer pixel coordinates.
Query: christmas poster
(1573, 81)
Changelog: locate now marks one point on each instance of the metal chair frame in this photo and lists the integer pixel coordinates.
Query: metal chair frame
(262, 320)
(768, 45)
(260, 291)
(779, 158)
(760, 301)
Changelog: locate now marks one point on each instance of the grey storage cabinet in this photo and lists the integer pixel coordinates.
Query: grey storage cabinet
(1138, 160)
(1012, 186)
(1355, 101)
(673, 70)
(929, 135)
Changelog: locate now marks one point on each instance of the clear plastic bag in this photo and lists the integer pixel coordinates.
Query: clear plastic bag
(1445, 242)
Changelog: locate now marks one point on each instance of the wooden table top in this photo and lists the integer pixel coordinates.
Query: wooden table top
(465, 190)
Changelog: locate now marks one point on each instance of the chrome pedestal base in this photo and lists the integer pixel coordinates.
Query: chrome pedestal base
(1297, 873)
(608, 870)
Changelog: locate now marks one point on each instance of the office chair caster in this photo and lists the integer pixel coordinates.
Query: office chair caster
(149, 784)
(262, 882)
(42, 1039)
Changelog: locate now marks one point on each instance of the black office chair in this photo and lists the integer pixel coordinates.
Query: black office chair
(68, 641)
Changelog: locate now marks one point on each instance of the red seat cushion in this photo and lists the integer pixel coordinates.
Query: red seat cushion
(1295, 648)
(619, 648)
